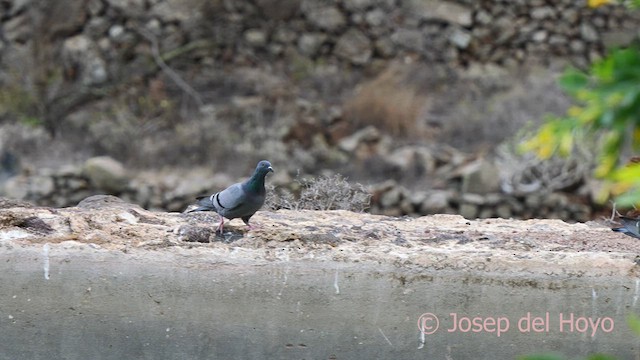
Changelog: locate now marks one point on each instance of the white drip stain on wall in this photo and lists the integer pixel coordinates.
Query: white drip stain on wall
(45, 252)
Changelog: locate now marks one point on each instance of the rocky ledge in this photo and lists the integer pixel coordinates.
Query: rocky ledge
(547, 248)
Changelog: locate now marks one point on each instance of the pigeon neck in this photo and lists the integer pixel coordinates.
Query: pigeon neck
(255, 183)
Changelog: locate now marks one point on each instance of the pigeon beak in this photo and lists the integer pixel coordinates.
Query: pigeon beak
(270, 169)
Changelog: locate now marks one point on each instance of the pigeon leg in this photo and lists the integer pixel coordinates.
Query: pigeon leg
(221, 226)
(246, 221)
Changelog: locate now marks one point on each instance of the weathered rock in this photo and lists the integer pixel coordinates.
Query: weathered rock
(541, 13)
(480, 177)
(375, 17)
(474, 199)
(442, 10)
(255, 37)
(328, 18)
(106, 173)
(392, 197)
(460, 38)
(191, 233)
(96, 202)
(354, 46)
(469, 211)
(129, 5)
(351, 143)
(176, 10)
(437, 202)
(588, 32)
(309, 43)
(412, 161)
(17, 29)
(16, 187)
(355, 5)
(504, 211)
(278, 9)
(409, 39)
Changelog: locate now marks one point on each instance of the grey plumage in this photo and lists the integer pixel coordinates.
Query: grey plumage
(630, 226)
(240, 200)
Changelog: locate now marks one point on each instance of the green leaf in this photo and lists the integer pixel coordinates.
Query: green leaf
(573, 80)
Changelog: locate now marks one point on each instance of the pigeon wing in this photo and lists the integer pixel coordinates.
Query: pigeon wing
(229, 198)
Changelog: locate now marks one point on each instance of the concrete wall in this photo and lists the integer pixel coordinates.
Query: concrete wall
(181, 304)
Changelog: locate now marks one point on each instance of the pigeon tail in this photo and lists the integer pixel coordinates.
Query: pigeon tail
(205, 203)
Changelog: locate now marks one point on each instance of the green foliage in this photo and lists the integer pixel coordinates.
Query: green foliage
(608, 113)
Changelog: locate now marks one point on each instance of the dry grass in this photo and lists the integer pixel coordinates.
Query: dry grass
(389, 103)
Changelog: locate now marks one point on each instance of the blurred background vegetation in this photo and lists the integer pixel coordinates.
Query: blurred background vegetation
(423, 102)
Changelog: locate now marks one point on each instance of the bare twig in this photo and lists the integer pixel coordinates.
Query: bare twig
(155, 52)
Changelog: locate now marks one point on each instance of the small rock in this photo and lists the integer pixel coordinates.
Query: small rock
(542, 13)
(191, 233)
(309, 43)
(350, 144)
(354, 5)
(392, 197)
(442, 10)
(375, 17)
(588, 32)
(504, 211)
(460, 38)
(255, 37)
(409, 39)
(474, 199)
(385, 47)
(540, 36)
(18, 29)
(127, 5)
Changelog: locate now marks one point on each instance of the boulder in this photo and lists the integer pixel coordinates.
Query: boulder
(105, 173)
(480, 177)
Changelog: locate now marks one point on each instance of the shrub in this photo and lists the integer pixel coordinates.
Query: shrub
(321, 193)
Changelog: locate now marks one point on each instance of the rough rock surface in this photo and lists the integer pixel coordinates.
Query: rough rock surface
(438, 242)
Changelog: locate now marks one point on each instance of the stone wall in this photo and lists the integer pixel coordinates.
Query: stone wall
(99, 41)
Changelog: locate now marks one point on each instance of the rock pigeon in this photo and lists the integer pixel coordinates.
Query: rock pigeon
(630, 226)
(240, 200)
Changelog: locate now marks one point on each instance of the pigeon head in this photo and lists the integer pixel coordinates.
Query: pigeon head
(263, 168)
(255, 184)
